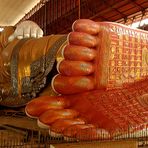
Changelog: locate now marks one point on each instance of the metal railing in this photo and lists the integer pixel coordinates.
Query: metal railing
(11, 137)
(18, 136)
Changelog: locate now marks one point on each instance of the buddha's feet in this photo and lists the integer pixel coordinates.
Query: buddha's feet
(101, 55)
(104, 79)
(92, 115)
(56, 115)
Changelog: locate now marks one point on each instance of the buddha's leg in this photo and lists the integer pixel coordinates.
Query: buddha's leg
(107, 109)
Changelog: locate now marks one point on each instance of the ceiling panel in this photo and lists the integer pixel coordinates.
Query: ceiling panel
(11, 11)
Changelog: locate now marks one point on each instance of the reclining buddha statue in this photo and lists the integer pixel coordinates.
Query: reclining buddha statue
(101, 83)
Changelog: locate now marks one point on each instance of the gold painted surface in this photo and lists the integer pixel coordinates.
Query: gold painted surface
(145, 56)
(33, 51)
(60, 56)
(31, 62)
(128, 56)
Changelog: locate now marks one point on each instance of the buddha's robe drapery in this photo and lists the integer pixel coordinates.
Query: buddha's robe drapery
(25, 65)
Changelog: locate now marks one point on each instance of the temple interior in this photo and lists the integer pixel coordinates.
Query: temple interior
(117, 19)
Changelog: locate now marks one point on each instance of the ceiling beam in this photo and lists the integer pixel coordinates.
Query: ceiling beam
(137, 5)
(93, 13)
(113, 8)
(115, 5)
